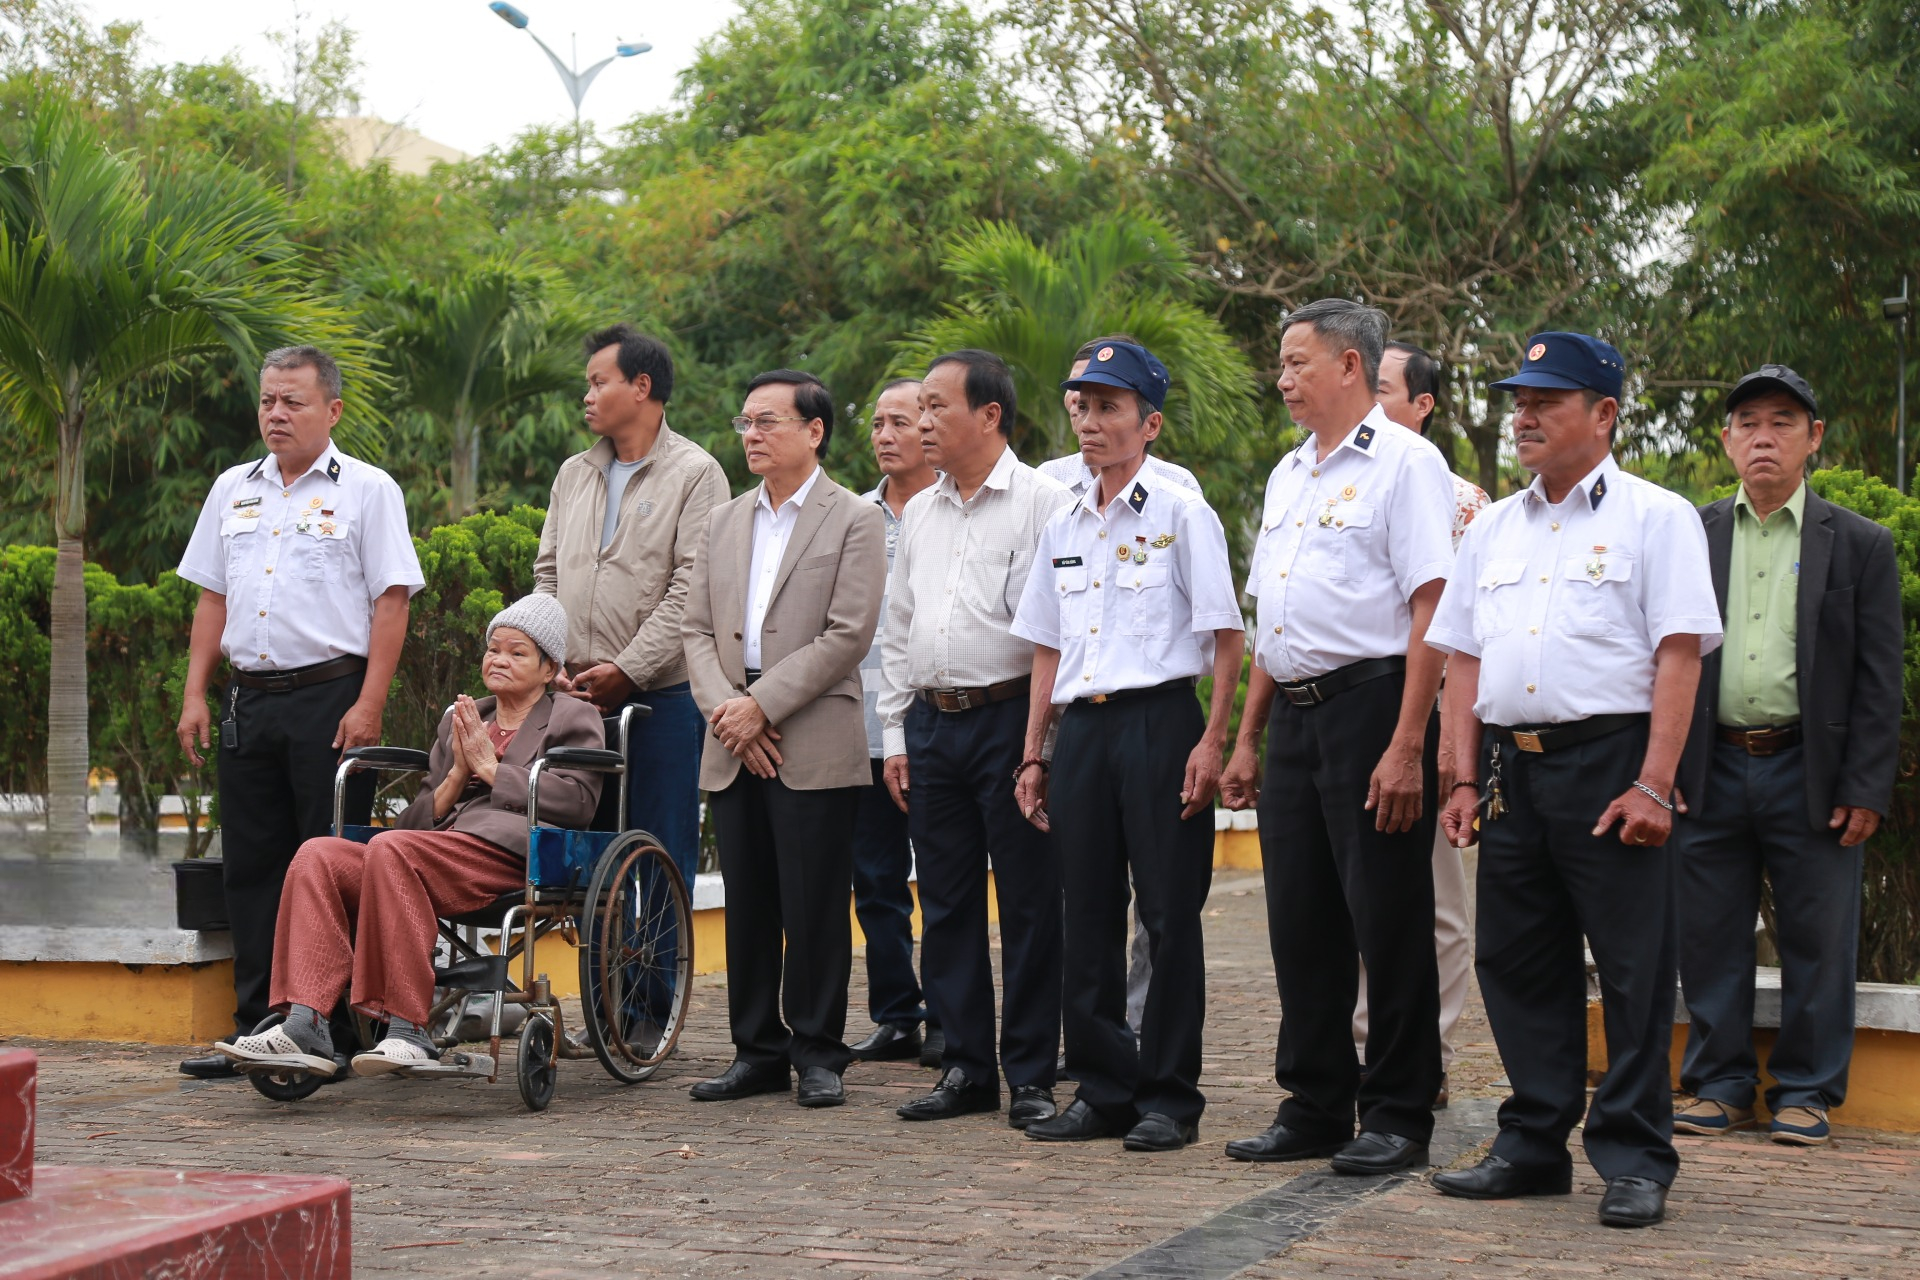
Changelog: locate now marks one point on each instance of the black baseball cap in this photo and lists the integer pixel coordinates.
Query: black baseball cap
(1772, 377)
(1121, 364)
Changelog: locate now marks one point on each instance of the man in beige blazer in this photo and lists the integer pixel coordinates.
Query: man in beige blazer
(782, 607)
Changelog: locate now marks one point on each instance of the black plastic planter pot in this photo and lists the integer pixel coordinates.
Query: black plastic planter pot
(199, 900)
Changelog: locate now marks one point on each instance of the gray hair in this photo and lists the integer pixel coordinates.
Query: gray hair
(323, 366)
(1349, 326)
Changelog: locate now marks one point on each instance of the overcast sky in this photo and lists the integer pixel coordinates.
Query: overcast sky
(449, 68)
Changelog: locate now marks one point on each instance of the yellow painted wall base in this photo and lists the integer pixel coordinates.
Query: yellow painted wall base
(1238, 850)
(1881, 1092)
(144, 1004)
(193, 1004)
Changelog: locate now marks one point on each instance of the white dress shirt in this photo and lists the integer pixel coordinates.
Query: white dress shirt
(772, 529)
(1131, 596)
(958, 573)
(1564, 604)
(1343, 545)
(301, 561)
(1073, 472)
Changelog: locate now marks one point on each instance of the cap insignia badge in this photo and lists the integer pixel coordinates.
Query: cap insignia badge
(1103, 354)
(1537, 350)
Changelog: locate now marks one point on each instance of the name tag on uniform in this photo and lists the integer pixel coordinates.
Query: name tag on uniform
(245, 502)
(1067, 562)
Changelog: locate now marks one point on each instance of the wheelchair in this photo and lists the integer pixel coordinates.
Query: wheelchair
(614, 894)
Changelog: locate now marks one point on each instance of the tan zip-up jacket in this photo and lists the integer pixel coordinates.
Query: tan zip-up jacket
(624, 603)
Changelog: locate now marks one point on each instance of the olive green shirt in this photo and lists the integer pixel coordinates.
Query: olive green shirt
(1759, 675)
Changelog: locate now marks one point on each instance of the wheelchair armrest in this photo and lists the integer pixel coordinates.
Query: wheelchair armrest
(400, 758)
(594, 759)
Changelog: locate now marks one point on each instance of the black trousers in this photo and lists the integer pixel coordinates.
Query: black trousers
(1336, 887)
(787, 859)
(1545, 880)
(961, 808)
(1753, 820)
(883, 902)
(276, 791)
(1114, 797)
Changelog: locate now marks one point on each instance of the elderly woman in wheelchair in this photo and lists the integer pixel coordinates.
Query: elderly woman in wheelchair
(360, 919)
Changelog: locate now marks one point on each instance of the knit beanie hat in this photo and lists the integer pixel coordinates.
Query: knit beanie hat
(541, 618)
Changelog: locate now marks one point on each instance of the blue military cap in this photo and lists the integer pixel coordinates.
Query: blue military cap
(1121, 364)
(1569, 362)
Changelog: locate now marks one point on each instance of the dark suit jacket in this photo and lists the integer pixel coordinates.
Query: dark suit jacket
(818, 628)
(1849, 652)
(499, 816)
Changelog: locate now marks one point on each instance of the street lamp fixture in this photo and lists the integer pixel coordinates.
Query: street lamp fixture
(575, 80)
(1899, 310)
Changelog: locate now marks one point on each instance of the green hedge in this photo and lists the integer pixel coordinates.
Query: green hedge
(1890, 907)
(137, 659)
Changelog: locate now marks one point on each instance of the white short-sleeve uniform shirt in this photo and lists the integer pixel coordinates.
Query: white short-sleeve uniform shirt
(1344, 543)
(301, 560)
(1130, 596)
(1565, 603)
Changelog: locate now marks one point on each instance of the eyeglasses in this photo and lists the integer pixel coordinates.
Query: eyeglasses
(765, 422)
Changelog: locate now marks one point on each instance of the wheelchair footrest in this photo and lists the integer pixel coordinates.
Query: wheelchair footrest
(451, 1063)
(477, 973)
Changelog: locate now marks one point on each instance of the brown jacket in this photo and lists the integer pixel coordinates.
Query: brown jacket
(567, 797)
(819, 625)
(624, 603)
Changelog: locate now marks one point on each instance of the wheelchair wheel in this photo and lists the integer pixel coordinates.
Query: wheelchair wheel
(285, 1086)
(536, 1072)
(636, 961)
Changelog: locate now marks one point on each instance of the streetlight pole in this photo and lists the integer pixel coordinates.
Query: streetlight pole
(575, 80)
(1898, 310)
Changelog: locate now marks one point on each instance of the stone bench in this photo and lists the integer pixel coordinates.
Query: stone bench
(58, 1222)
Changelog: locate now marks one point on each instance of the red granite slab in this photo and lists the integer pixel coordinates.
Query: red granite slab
(129, 1224)
(17, 1070)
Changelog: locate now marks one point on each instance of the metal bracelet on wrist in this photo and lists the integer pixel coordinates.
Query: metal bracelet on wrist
(1465, 782)
(1657, 798)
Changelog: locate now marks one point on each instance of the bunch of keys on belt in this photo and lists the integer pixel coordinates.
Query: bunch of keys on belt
(1493, 805)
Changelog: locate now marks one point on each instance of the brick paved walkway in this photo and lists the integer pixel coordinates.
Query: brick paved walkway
(458, 1180)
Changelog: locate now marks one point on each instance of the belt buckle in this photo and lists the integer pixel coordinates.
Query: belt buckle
(962, 699)
(1097, 698)
(1303, 695)
(1527, 741)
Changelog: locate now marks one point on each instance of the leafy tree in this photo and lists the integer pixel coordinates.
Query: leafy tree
(107, 276)
(1450, 162)
(1784, 143)
(473, 345)
(1034, 305)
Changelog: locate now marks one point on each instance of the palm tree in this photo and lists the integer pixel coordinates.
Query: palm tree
(1033, 305)
(472, 345)
(108, 275)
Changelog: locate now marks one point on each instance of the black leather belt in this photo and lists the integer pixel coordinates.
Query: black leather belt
(956, 700)
(1119, 695)
(1308, 693)
(1766, 741)
(300, 677)
(1558, 737)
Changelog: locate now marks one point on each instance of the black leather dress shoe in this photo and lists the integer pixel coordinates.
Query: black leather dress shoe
(1633, 1202)
(955, 1095)
(1156, 1132)
(1078, 1123)
(1379, 1153)
(742, 1080)
(820, 1087)
(1030, 1103)
(1282, 1143)
(934, 1048)
(215, 1066)
(1495, 1179)
(888, 1044)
